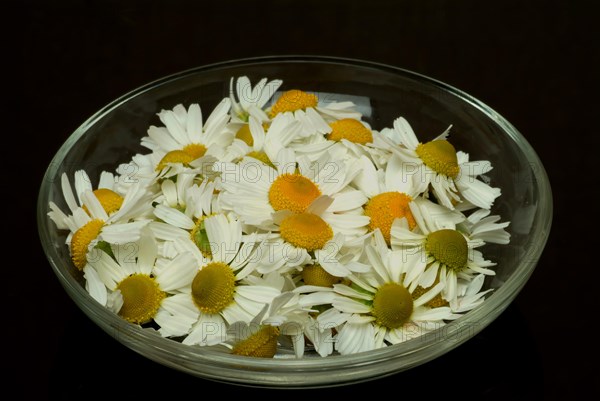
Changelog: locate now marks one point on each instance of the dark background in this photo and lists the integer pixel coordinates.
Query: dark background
(535, 62)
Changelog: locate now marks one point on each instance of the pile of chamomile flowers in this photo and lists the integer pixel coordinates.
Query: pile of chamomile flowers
(282, 221)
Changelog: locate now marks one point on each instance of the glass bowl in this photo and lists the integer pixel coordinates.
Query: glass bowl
(112, 136)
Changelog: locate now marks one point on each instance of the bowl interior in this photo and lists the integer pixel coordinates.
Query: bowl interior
(112, 136)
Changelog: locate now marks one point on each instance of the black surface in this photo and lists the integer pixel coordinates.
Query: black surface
(535, 63)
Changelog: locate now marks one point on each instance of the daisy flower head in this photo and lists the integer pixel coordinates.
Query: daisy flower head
(103, 217)
(348, 140)
(389, 192)
(282, 321)
(186, 137)
(438, 165)
(313, 236)
(376, 309)
(295, 99)
(106, 193)
(128, 272)
(442, 250)
(224, 289)
(316, 286)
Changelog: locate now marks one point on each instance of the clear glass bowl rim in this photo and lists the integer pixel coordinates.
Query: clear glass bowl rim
(308, 371)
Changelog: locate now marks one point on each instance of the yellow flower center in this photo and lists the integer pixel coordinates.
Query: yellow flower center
(262, 156)
(262, 344)
(293, 100)
(141, 298)
(213, 287)
(448, 247)
(81, 241)
(316, 275)
(351, 130)
(188, 154)
(110, 200)
(195, 150)
(306, 230)
(440, 156)
(174, 156)
(200, 238)
(384, 208)
(292, 192)
(392, 305)
(245, 135)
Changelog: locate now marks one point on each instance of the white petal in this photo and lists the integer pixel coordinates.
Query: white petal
(349, 305)
(331, 318)
(169, 189)
(400, 176)
(348, 200)
(477, 192)
(407, 135)
(107, 180)
(234, 313)
(194, 123)
(319, 205)
(173, 217)
(68, 193)
(122, 233)
(267, 92)
(209, 330)
(261, 294)
(350, 292)
(179, 273)
(429, 295)
(317, 298)
(93, 205)
(243, 88)
(225, 237)
(167, 232)
(375, 260)
(94, 286)
(432, 314)
(82, 184)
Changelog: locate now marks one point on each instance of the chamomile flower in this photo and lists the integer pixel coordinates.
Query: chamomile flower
(449, 173)
(316, 292)
(129, 271)
(443, 251)
(377, 308)
(185, 137)
(91, 225)
(390, 194)
(297, 100)
(106, 195)
(284, 224)
(312, 114)
(93, 228)
(259, 338)
(292, 184)
(348, 140)
(314, 235)
(220, 293)
(250, 101)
